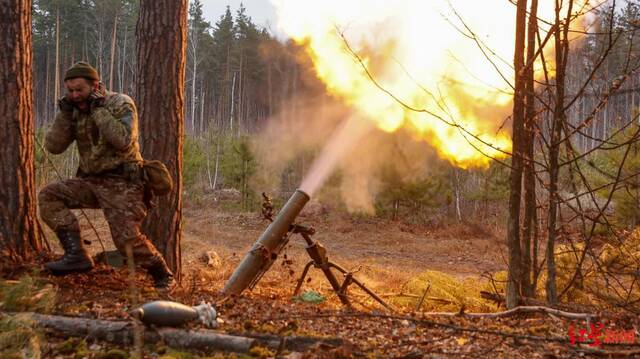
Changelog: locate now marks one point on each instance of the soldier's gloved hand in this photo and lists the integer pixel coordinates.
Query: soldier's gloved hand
(65, 105)
(96, 99)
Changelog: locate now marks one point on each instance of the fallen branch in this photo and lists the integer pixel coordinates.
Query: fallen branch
(423, 296)
(507, 313)
(390, 295)
(121, 332)
(608, 353)
(517, 310)
(532, 302)
(407, 295)
(296, 343)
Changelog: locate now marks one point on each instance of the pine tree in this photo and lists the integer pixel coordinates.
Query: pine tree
(20, 236)
(223, 43)
(198, 31)
(161, 112)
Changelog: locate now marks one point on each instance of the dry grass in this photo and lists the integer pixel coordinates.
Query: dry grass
(27, 294)
(445, 293)
(19, 338)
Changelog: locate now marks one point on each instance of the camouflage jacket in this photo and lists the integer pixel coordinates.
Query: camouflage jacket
(107, 137)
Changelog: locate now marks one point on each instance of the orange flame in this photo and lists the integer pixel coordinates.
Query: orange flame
(451, 59)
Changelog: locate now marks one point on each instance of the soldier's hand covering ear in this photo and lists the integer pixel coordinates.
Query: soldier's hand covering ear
(65, 105)
(115, 122)
(61, 132)
(96, 99)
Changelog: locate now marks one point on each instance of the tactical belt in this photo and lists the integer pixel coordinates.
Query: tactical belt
(127, 170)
(117, 171)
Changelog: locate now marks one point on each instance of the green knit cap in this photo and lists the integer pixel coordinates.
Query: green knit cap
(82, 69)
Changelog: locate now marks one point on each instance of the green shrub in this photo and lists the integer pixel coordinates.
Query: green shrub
(603, 170)
(194, 161)
(238, 167)
(416, 195)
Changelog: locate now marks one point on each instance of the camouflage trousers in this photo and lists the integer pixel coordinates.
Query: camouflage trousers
(121, 200)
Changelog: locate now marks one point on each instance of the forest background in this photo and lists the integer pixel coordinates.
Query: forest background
(249, 97)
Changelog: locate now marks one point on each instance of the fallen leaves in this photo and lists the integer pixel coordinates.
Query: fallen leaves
(270, 309)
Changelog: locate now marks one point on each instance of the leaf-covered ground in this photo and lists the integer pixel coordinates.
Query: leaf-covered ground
(384, 255)
(269, 310)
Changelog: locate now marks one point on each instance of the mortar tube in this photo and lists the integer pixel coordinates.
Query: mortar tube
(272, 239)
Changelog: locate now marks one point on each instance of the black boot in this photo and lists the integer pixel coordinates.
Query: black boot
(161, 275)
(75, 258)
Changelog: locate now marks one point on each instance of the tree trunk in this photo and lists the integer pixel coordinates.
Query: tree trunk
(162, 29)
(559, 117)
(529, 170)
(231, 114)
(20, 236)
(456, 184)
(270, 90)
(114, 36)
(123, 60)
(194, 73)
(47, 86)
(100, 40)
(240, 104)
(201, 122)
(515, 178)
(215, 176)
(56, 82)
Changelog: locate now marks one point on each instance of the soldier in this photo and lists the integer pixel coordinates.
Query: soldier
(104, 125)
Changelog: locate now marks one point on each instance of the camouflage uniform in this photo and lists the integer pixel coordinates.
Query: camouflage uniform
(108, 174)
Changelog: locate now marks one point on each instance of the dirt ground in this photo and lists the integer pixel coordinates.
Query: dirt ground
(386, 252)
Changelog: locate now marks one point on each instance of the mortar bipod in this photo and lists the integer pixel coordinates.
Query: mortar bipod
(319, 259)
